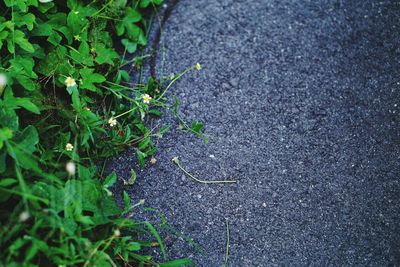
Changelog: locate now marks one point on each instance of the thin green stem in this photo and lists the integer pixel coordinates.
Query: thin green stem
(174, 80)
(124, 113)
(227, 244)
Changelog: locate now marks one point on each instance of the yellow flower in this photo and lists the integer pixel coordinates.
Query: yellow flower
(146, 98)
(69, 147)
(70, 82)
(112, 122)
(197, 66)
(153, 160)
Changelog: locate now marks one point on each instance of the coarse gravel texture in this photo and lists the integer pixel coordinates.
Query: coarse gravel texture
(301, 102)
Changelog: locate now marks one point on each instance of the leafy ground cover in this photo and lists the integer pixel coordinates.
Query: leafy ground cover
(66, 105)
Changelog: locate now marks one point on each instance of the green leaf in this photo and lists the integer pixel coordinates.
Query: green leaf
(89, 78)
(197, 126)
(144, 143)
(144, 3)
(74, 21)
(8, 118)
(5, 182)
(133, 246)
(140, 156)
(76, 101)
(127, 202)
(28, 139)
(23, 64)
(154, 232)
(132, 178)
(82, 55)
(110, 180)
(22, 158)
(177, 263)
(12, 102)
(27, 19)
(129, 46)
(27, 104)
(20, 40)
(26, 82)
(105, 55)
(5, 134)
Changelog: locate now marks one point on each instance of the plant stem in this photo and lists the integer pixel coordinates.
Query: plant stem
(174, 80)
(176, 161)
(227, 244)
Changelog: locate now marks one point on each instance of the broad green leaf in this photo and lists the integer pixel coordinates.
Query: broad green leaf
(82, 55)
(89, 78)
(28, 139)
(23, 159)
(26, 82)
(23, 64)
(27, 19)
(8, 118)
(105, 55)
(129, 46)
(21, 40)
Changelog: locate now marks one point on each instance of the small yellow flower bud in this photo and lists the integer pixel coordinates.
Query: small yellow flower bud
(198, 66)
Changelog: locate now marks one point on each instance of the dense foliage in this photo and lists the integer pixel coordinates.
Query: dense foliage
(66, 105)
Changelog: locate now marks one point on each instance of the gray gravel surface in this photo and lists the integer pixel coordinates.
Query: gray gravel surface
(301, 100)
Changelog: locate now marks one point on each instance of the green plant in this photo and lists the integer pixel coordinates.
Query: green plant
(66, 105)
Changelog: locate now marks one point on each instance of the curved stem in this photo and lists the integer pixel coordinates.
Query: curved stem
(176, 161)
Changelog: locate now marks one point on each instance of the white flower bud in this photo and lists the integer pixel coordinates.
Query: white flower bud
(70, 167)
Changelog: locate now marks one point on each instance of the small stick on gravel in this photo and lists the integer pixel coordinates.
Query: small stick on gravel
(177, 162)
